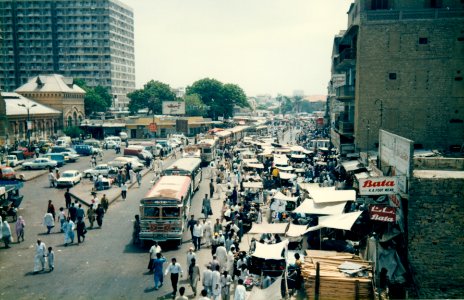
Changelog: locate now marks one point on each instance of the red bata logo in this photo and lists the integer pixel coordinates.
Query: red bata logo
(384, 183)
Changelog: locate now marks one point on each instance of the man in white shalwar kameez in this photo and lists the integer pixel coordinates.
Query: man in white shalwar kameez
(39, 259)
(221, 254)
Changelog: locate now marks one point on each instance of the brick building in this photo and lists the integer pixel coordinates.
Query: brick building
(399, 66)
(58, 92)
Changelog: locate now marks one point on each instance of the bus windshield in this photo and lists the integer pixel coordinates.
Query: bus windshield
(171, 212)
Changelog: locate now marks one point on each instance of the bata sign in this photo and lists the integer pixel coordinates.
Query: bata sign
(382, 213)
(378, 186)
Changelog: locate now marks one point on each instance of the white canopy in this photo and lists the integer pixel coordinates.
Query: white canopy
(352, 165)
(252, 185)
(280, 196)
(273, 292)
(250, 161)
(270, 251)
(327, 196)
(276, 228)
(296, 230)
(343, 221)
(286, 168)
(284, 175)
(298, 156)
(255, 166)
(297, 148)
(314, 186)
(223, 133)
(310, 207)
(280, 159)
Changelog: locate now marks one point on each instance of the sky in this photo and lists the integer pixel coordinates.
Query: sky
(264, 46)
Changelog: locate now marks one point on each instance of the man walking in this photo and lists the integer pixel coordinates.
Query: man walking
(206, 207)
(158, 263)
(80, 213)
(211, 188)
(39, 259)
(190, 224)
(208, 280)
(67, 198)
(100, 212)
(197, 234)
(81, 230)
(124, 191)
(72, 212)
(175, 269)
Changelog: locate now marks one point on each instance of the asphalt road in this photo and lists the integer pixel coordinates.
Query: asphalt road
(105, 266)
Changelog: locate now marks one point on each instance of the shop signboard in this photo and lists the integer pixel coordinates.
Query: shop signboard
(378, 186)
(382, 213)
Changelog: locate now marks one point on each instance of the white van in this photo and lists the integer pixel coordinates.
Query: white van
(63, 140)
(123, 135)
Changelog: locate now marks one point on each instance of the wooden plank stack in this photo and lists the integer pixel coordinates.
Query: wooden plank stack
(335, 284)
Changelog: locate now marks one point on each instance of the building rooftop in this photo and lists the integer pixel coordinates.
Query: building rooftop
(13, 108)
(50, 83)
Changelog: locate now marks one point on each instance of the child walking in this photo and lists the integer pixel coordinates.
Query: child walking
(51, 259)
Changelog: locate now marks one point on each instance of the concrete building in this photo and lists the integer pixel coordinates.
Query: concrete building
(90, 40)
(58, 92)
(44, 120)
(399, 66)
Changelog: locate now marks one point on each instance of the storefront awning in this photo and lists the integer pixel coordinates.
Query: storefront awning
(314, 186)
(296, 230)
(327, 196)
(273, 292)
(310, 207)
(252, 185)
(286, 176)
(343, 221)
(352, 165)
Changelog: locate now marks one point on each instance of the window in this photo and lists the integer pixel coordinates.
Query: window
(392, 76)
(171, 212)
(151, 212)
(423, 41)
(379, 4)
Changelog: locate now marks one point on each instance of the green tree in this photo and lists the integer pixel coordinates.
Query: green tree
(151, 96)
(220, 98)
(194, 106)
(73, 131)
(96, 99)
(297, 100)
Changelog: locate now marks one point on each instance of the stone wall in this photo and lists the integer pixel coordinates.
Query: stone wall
(436, 236)
(438, 163)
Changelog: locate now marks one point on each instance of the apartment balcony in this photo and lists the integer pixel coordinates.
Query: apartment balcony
(344, 93)
(345, 59)
(344, 127)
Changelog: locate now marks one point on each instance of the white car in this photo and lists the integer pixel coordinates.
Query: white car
(40, 163)
(69, 178)
(110, 144)
(72, 157)
(102, 169)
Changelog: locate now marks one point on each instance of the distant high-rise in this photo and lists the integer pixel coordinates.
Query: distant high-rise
(92, 40)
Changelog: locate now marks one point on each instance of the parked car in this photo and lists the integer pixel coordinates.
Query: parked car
(13, 161)
(69, 178)
(60, 158)
(40, 163)
(72, 156)
(62, 143)
(84, 150)
(102, 169)
(7, 173)
(109, 144)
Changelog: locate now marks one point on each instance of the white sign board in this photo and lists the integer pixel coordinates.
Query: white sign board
(378, 186)
(396, 151)
(338, 80)
(173, 108)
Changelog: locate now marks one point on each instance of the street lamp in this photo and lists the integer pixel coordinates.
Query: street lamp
(212, 107)
(28, 121)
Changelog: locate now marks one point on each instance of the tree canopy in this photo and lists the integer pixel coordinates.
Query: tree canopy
(151, 96)
(97, 99)
(194, 106)
(220, 98)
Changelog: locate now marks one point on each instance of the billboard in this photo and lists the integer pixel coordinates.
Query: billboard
(396, 151)
(173, 108)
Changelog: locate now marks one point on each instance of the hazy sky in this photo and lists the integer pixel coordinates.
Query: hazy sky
(265, 46)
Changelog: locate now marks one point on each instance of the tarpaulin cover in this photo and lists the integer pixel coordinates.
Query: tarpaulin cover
(255, 166)
(273, 292)
(327, 196)
(285, 168)
(309, 207)
(276, 228)
(270, 251)
(343, 221)
(296, 230)
(280, 196)
(250, 161)
(352, 165)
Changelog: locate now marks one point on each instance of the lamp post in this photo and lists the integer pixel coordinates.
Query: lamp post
(27, 107)
(212, 107)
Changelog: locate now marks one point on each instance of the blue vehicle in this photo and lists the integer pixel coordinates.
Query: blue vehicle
(58, 157)
(84, 149)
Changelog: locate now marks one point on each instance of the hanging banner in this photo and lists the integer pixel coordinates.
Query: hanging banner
(378, 186)
(382, 213)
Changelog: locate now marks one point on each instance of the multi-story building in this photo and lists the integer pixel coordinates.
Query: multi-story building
(399, 66)
(91, 40)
